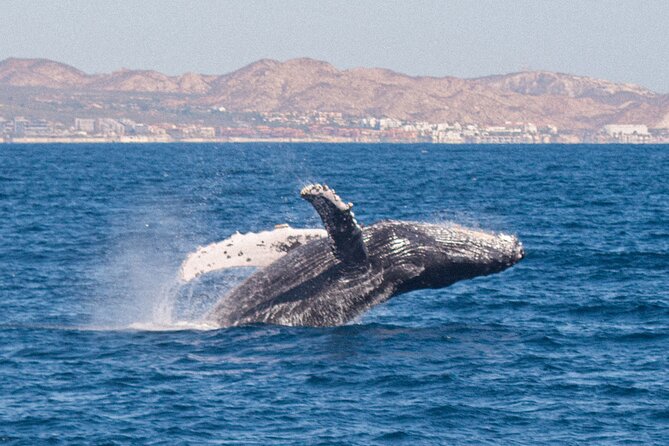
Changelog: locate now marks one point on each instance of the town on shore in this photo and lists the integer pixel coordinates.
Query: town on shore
(314, 127)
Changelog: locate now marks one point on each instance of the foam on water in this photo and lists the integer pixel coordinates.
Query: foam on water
(172, 326)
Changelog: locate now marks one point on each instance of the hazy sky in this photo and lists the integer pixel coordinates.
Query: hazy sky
(621, 40)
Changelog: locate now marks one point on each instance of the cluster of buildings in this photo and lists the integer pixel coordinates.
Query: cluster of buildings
(632, 134)
(25, 130)
(314, 126)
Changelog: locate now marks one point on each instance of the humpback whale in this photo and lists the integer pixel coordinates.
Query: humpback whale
(330, 280)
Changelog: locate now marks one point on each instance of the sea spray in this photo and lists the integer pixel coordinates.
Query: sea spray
(137, 278)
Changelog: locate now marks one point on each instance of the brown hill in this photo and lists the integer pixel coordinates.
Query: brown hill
(303, 85)
(541, 83)
(568, 101)
(40, 73)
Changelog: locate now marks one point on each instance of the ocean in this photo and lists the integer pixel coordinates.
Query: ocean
(101, 344)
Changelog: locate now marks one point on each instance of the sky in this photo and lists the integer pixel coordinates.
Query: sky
(619, 40)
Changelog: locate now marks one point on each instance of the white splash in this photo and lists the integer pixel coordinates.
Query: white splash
(173, 326)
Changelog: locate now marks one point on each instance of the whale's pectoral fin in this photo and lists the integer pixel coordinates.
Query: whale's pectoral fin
(251, 249)
(343, 230)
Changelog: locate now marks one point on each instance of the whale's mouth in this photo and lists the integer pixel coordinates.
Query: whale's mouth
(511, 249)
(516, 255)
(517, 251)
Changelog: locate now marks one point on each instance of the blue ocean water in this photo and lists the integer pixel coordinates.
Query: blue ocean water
(100, 345)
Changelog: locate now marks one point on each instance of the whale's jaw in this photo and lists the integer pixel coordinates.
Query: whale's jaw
(414, 256)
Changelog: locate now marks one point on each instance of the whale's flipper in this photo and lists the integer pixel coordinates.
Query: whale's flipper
(251, 249)
(344, 231)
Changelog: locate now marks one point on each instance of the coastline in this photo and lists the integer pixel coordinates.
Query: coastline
(158, 140)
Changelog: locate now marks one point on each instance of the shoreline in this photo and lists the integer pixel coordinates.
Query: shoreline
(102, 141)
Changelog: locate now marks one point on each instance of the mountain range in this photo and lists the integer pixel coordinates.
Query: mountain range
(304, 85)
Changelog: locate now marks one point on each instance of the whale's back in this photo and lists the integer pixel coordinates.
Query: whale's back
(308, 286)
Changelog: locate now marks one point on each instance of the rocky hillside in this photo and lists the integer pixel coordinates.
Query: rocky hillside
(40, 73)
(302, 85)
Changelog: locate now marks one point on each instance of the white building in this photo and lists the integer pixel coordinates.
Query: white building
(618, 130)
(84, 125)
(110, 127)
(530, 128)
(389, 123)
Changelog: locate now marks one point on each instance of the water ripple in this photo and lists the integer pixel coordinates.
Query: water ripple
(101, 345)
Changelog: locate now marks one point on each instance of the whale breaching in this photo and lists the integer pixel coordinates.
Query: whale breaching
(327, 278)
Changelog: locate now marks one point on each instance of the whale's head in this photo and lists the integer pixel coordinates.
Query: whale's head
(449, 253)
